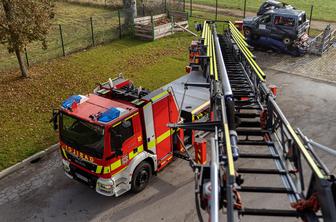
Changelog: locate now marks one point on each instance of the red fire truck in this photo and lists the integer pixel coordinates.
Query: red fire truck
(115, 139)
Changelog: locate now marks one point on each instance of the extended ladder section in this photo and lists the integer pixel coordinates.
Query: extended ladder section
(255, 152)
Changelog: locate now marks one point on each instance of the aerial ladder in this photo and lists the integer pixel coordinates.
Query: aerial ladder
(248, 127)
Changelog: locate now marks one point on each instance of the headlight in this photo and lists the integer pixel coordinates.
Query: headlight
(106, 186)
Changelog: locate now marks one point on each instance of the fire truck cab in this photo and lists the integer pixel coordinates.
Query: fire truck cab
(116, 138)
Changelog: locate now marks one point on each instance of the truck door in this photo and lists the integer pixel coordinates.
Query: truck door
(161, 117)
(126, 141)
(283, 26)
(264, 25)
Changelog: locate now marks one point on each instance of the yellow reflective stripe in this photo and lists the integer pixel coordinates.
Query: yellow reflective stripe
(115, 165)
(234, 27)
(254, 65)
(131, 116)
(162, 137)
(310, 161)
(159, 96)
(64, 153)
(132, 154)
(229, 150)
(99, 169)
(107, 170)
(116, 124)
(151, 144)
(214, 58)
(204, 30)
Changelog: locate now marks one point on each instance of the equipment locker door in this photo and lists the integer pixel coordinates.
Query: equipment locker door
(161, 116)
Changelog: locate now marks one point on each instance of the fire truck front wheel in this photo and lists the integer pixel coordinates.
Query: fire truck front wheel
(141, 176)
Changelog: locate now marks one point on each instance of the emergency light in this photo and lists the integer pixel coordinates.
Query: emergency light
(67, 104)
(110, 114)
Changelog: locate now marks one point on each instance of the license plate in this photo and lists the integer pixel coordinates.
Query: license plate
(82, 177)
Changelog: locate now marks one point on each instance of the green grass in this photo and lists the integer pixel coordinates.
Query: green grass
(323, 10)
(26, 103)
(75, 21)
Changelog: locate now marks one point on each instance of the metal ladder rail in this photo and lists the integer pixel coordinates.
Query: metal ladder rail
(238, 77)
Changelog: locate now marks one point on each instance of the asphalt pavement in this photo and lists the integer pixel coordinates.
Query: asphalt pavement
(41, 191)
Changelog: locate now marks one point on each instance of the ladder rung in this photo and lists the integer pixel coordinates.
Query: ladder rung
(264, 190)
(269, 212)
(258, 155)
(261, 171)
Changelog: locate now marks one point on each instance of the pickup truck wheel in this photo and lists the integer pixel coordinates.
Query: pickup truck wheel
(247, 32)
(287, 41)
(141, 177)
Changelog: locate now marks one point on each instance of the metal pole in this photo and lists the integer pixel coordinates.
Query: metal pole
(191, 7)
(214, 181)
(165, 8)
(120, 31)
(26, 55)
(310, 17)
(244, 8)
(62, 41)
(216, 10)
(92, 34)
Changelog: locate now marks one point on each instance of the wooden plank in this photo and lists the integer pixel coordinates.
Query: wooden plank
(157, 17)
(163, 35)
(144, 36)
(141, 19)
(162, 26)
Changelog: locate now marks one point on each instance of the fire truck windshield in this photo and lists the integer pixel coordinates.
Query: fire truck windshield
(83, 136)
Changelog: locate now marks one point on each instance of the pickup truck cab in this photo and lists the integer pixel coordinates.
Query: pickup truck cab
(286, 25)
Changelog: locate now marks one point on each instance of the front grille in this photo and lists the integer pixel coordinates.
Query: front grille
(87, 165)
(83, 176)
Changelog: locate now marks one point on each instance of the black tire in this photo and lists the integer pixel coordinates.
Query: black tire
(141, 177)
(287, 41)
(247, 32)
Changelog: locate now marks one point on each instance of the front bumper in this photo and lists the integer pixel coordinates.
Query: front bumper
(101, 185)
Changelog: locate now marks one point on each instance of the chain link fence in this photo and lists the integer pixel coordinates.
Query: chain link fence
(64, 39)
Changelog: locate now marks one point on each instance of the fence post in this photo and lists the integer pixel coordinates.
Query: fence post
(310, 17)
(191, 7)
(62, 41)
(92, 34)
(216, 10)
(244, 8)
(184, 6)
(143, 9)
(120, 31)
(165, 7)
(26, 55)
(153, 29)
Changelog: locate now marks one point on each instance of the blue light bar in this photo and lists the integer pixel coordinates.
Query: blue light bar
(69, 101)
(109, 115)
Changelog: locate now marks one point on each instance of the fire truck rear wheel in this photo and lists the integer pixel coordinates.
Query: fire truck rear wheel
(141, 176)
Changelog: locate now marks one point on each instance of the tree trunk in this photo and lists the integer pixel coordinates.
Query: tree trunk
(130, 10)
(23, 69)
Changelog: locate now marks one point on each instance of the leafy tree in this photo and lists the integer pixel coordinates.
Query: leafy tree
(22, 22)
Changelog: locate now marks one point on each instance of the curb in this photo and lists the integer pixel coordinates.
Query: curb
(28, 161)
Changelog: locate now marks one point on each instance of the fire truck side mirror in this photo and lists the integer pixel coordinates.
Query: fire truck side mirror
(54, 118)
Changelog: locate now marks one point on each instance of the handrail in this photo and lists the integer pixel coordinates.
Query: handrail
(242, 45)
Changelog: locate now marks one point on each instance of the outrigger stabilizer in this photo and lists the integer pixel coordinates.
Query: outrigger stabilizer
(243, 113)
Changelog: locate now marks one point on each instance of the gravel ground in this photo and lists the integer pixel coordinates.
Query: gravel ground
(311, 66)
